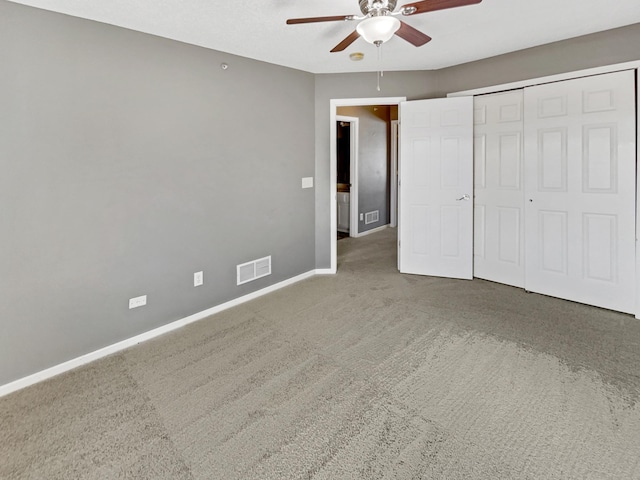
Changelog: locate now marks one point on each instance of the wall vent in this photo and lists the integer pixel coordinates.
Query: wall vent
(371, 217)
(253, 270)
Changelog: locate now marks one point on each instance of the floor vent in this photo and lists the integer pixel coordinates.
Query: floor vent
(371, 217)
(253, 270)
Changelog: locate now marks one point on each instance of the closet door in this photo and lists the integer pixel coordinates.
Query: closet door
(498, 252)
(580, 190)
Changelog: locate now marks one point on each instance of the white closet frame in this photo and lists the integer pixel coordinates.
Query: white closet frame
(635, 65)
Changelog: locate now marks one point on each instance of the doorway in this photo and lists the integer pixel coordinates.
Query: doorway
(333, 167)
(347, 130)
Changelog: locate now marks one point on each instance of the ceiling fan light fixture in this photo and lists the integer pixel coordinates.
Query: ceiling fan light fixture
(379, 29)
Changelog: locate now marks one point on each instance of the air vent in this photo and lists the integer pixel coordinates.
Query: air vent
(371, 217)
(253, 270)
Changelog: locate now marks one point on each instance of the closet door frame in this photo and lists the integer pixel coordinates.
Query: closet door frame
(635, 65)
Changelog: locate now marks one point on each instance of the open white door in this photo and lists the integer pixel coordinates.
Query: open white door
(436, 187)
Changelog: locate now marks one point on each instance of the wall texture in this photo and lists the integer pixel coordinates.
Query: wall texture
(129, 162)
(373, 161)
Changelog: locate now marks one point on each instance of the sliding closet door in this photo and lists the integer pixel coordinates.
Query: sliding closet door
(498, 252)
(580, 190)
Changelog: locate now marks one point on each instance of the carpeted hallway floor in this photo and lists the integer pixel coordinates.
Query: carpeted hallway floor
(367, 374)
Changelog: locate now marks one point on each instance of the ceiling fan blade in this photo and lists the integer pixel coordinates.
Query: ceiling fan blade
(411, 35)
(346, 42)
(433, 5)
(337, 18)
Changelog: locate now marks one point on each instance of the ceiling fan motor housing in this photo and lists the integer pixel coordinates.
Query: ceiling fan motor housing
(377, 7)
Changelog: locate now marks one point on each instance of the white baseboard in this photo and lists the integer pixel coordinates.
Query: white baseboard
(325, 271)
(129, 342)
(373, 230)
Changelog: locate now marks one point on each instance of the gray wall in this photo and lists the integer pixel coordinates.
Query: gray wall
(604, 48)
(129, 162)
(373, 161)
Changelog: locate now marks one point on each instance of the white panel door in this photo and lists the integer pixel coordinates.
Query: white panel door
(498, 249)
(436, 187)
(580, 190)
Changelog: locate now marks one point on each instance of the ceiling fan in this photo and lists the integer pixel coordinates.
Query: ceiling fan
(379, 23)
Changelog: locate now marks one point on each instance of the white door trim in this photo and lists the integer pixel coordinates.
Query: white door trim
(637, 199)
(353, 174)
(333, 162)
(393, 204)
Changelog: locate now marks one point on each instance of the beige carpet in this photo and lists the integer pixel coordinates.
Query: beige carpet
(364, 375)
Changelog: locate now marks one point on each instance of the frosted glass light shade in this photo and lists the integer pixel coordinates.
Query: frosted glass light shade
(378, 29)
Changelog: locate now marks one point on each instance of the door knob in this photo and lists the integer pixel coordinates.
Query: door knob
(464, 197)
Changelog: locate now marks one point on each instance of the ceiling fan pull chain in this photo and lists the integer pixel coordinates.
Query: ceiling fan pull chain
(379, 63)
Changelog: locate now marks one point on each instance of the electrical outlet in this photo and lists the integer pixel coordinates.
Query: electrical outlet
(362, 217)
(138, 301)
(198, 279)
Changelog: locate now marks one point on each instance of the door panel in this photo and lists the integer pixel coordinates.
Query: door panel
(344, 207)
(552, 233)
(436, 187)
(552, 159)
(580, 190)
(509, 246)
(499, 191)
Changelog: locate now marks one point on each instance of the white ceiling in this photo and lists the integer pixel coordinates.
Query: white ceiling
(257, 29)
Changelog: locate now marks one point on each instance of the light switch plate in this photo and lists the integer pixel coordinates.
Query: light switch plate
(307, 182)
